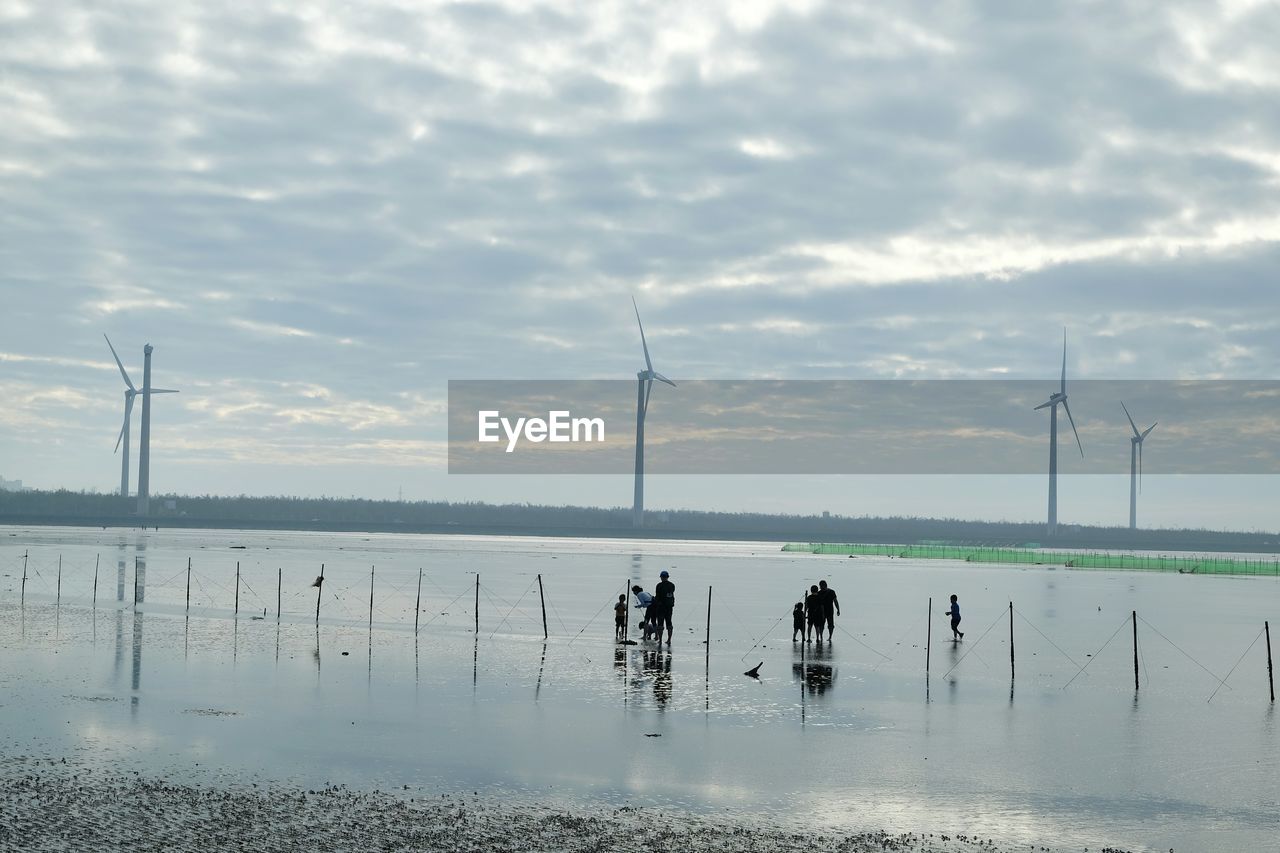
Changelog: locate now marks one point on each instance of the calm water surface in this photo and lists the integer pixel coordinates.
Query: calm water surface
(852, 736)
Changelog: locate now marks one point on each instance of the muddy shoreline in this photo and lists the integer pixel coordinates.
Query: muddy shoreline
(48, 805)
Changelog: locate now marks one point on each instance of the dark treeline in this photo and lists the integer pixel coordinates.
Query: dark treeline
(245, 511)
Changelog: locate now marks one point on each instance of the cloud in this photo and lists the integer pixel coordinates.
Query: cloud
(374, 199)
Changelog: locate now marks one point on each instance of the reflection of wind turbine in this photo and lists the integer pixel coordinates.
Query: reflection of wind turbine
(1135, 465)
(1059, 397)
(645, 385)
(130, 392)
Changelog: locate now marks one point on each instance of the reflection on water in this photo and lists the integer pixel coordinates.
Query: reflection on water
(1078, 766)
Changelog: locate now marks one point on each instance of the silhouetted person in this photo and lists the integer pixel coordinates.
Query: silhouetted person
(797, 621)
(664, 602)
(830, 607)
(956, 633)
(620, 618)
(813, 608)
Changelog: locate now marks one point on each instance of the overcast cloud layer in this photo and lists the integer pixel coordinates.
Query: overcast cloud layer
(319, 213)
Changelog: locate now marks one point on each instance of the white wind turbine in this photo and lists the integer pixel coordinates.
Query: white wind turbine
(644, 386)
(1058, 397)
(1135, 464)
(130, 393)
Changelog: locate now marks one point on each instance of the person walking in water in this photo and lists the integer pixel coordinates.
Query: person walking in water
(830, 607)
(664, 600)
(956, 633)
(817, 616)
(797, 621)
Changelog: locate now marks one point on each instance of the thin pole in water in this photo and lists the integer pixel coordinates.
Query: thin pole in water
(417, 603)
(371, 599)
(188, 585)
(1135, 651)
(319, 589)
(477, 604)
(543, 598)
(928, 638)
(57, 601)
(237, 610)
(135, 582)
(96, 558)
(1011, 670)
(279, 585)
(708, 626)
(22, 598)
(1270, 677)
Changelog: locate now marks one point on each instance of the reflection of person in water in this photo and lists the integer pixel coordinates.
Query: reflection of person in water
(658, 664)
(817, 677)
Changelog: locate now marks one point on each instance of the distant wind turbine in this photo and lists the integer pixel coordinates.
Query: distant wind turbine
(130, 393)
(1135, 465)
(644, 386)
(1059, 397)
(144, 440)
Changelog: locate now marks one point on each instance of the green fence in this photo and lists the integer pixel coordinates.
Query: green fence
(1212, 564)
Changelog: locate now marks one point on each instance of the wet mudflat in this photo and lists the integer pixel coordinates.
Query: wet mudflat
(841, 743)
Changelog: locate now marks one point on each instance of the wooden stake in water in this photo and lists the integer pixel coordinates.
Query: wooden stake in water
(1270, 679)
(279, 585)
(319, 589)
(1011, 670)
(542, 596)
(135, 582)
(928, 637)
(188, 610)
(22, 596)
(371, 599)
(708, 625)
(1135, 651)
(96, 558)
(237, 610)
(417, 604)
(57, 599)
(626, 623)
(477, 604)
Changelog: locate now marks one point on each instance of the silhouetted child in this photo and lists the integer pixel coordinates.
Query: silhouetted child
(620, 618)
(956, 633)
(797, 621)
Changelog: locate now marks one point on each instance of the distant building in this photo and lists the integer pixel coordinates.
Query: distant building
(11, 485)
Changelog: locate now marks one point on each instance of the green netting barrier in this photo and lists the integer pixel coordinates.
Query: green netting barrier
(1214, 564)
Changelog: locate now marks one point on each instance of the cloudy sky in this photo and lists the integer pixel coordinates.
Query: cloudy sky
(319, 213)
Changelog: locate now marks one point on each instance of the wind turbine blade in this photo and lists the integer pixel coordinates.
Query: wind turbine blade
(1149, 429)
(648, 389)
(661, 378)
(1130, 417)
(1073, 428)
(119, 365)
(647, 363)
(128, 408)
(163, 391)
(119, 438)
(1044, 405)
(1064, 359)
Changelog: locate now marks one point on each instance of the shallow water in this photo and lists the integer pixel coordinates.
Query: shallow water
(853, 736)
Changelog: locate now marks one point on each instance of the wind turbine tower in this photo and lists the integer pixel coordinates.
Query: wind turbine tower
(144, 442)
(1057, 398)
(644, 385)
(1135, 464)
(130, 396)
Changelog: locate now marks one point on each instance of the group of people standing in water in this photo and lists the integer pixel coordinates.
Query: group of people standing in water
(657, 606)
(818, 611)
